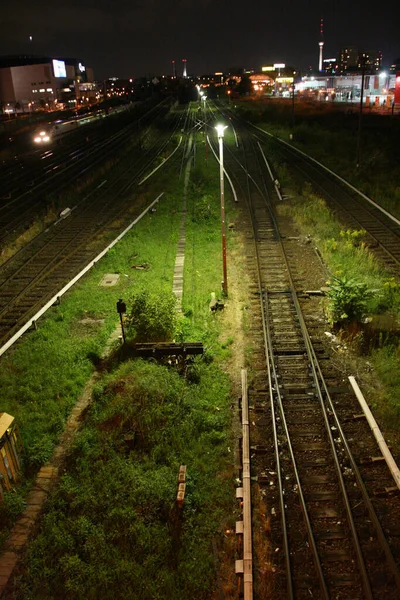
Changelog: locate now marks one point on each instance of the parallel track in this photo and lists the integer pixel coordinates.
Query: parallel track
(330, 542)
(67, 167)
(383, 234)
(36, 273)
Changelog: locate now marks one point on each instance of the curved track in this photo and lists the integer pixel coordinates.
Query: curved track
(38, 271)
(383, 233)
(333, 509)
(60, 167)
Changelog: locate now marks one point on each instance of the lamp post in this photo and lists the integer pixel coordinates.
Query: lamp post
(204, 98)
(220, 131)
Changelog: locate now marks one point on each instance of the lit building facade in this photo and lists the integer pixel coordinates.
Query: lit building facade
(30, 83)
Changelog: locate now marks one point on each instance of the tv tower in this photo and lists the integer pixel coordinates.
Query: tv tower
(321, 44)
(184, 67)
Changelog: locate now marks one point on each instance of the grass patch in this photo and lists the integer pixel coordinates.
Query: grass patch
(112, 528)
(71, 337)
(344, 251)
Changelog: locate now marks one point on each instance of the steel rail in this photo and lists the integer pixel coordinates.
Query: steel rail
(333, 451)
(347, 183)
(119, 177)
(273, 367)
(95, 156)
(345, 208)
(323, 393)
(68, 286)
(268, 360)
(78, 238)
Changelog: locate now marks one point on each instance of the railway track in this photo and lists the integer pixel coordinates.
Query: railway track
(68, 165)
(35, 274)
(383, 233)
(332, 504)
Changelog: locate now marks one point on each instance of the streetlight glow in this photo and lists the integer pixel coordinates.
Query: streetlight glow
(220, 130)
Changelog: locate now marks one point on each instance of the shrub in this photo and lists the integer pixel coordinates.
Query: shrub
(347, 300)
(205, 209)
(153, 318)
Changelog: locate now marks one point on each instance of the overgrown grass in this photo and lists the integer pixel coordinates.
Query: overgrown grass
(42, 377)
(112, 528)
(344, 251)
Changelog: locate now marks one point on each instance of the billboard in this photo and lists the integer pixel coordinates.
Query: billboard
(59, 68)
(397, 89)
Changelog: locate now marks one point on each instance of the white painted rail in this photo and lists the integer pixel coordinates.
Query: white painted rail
(394, 469)
(60, 293)
(352, 187)
(161, 165)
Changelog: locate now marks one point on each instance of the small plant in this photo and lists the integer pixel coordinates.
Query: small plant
(353, 237)
(153, 318)
(347, 300)
(204, 209)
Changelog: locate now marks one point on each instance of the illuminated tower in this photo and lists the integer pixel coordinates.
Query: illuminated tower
(321, 45)
(184, 67)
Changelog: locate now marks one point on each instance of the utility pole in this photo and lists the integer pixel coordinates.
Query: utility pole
(220, 130)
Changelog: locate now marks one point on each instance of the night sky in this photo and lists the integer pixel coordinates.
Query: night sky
(130, 38)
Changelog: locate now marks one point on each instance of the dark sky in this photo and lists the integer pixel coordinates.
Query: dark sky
(129, 38)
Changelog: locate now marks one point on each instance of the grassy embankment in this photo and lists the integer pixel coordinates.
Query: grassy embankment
(329, 134)
(111, 529)
(348, 257)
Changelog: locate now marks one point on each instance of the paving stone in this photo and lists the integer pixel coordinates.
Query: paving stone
(36, 498)
(48, 471)
(18, 540)
(32, 511)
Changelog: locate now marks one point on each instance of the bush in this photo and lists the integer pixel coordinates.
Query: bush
(347, 300)
(153, 318)
(205, 209)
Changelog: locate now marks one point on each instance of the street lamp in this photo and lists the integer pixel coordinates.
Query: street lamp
(220, 131)
(204, 98)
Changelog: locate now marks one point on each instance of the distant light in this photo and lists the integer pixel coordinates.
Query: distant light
(279, 66)
(46, 138)
(383, 74)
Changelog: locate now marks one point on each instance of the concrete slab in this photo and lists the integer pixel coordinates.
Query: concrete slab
(109, 280)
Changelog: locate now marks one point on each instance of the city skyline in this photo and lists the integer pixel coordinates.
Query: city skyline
(127, 40)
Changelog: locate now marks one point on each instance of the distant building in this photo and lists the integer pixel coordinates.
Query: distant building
(379, 88)
(352, 59)
(330, 65)
(348, 58)
(39, 82)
